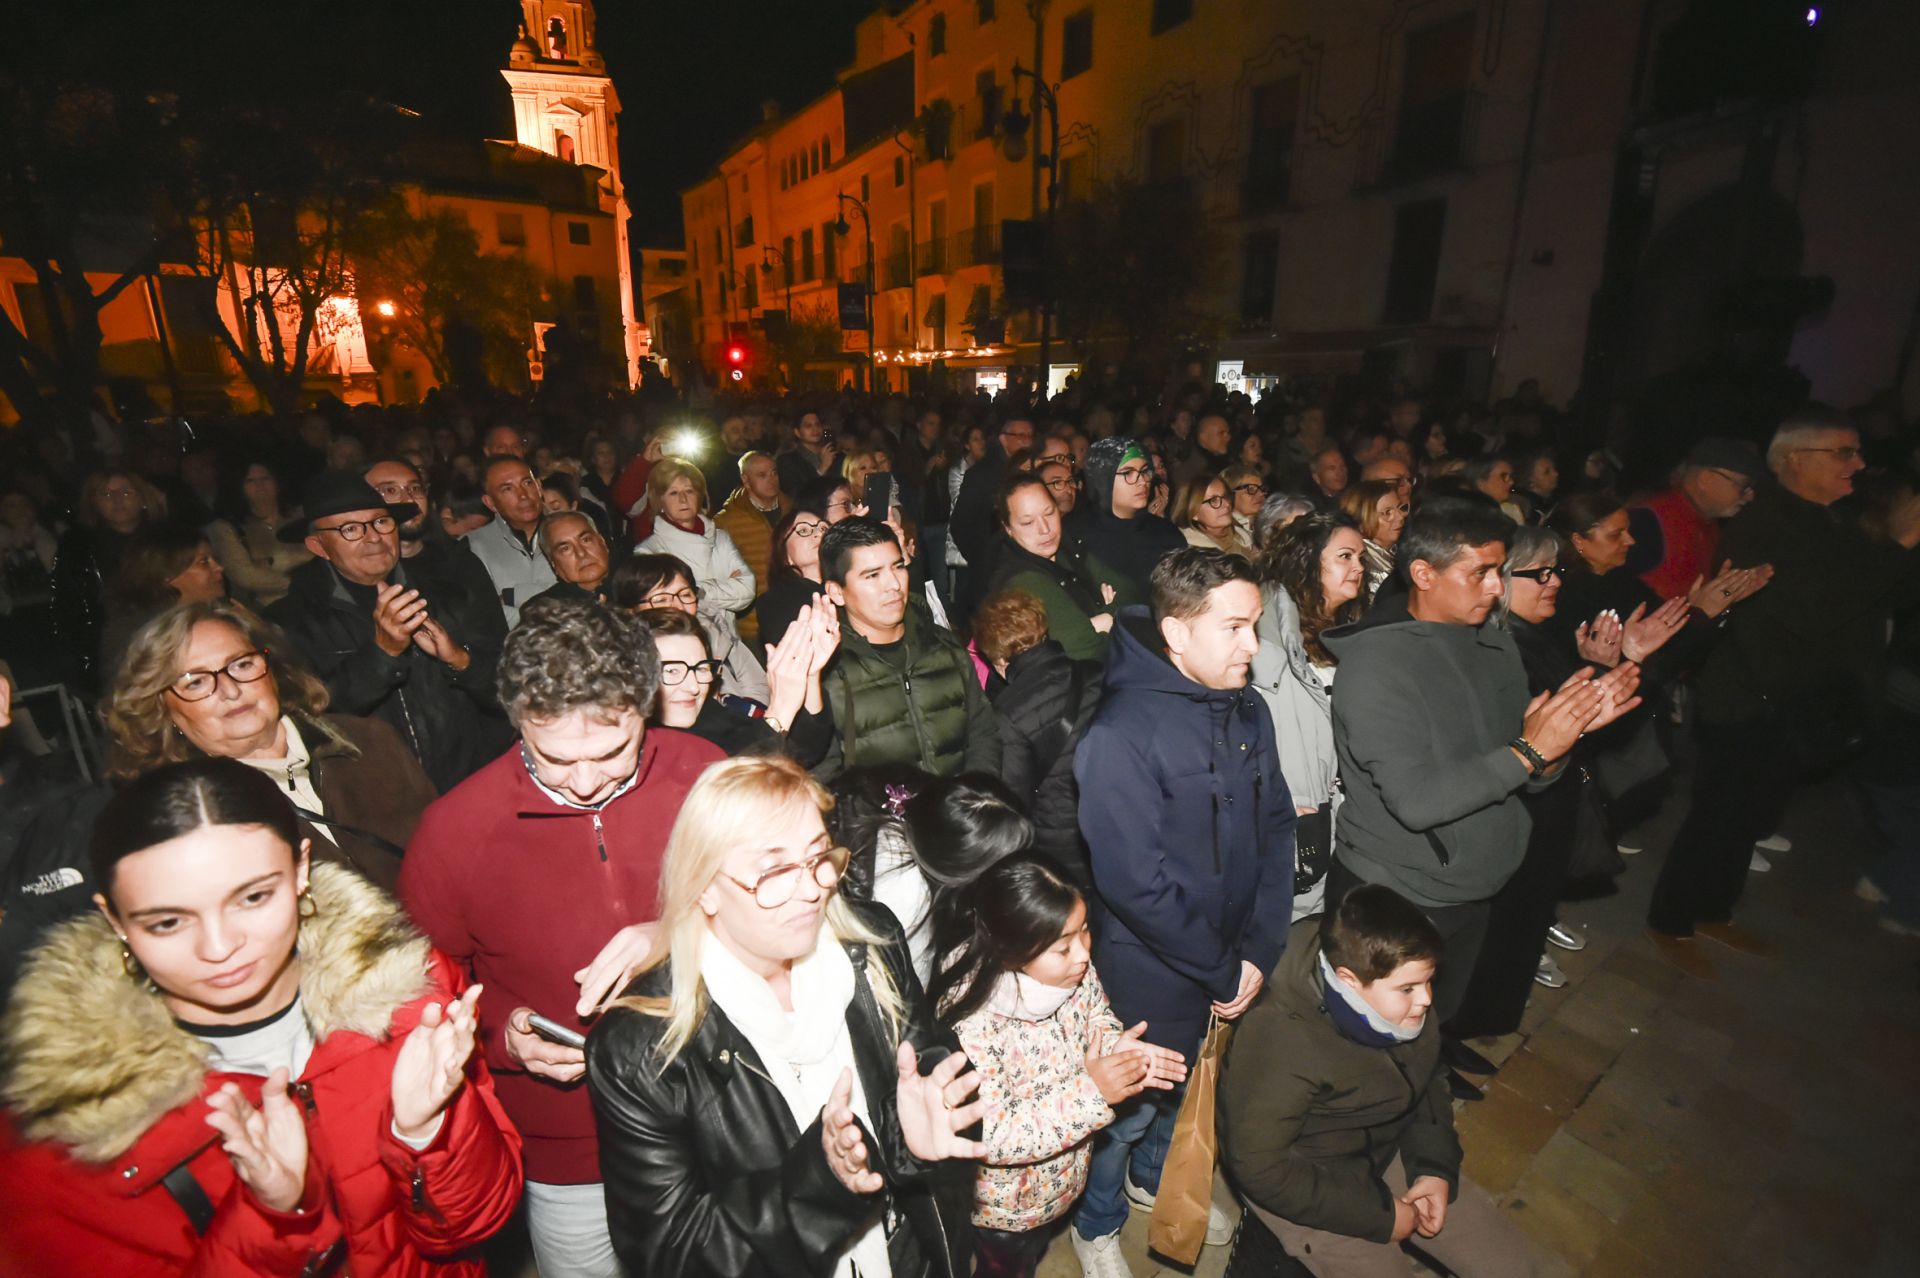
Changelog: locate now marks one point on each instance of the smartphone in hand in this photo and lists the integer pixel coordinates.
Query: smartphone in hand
(877, 495)
(554, 1032)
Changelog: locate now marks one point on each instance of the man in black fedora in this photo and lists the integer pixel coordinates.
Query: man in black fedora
(387, 646)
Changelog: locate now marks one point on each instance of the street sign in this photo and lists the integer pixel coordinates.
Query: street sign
(853, 306)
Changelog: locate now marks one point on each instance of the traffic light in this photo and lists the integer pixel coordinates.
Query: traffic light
(736, 361)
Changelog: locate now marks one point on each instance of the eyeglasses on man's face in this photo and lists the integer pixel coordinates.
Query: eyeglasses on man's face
(1061, 484)
(1251, 489)
(1133, 474)
(685, 597)
(674, 673)
(355, 529)
(198, 685)
(1843, 453)
(774, 888)
(1539, 576)
(1740, 482)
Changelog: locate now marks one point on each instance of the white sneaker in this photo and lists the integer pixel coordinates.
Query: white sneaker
(1759, 864)
(1219, 1228)
(1566, 938)
(1100, 1257)
(1775, 843)
(1549, 973)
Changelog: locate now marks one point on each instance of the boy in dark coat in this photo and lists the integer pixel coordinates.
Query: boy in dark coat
(1335, 1119)
(1190, 828)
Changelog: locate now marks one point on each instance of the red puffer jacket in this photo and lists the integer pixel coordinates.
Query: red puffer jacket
(106, 1096)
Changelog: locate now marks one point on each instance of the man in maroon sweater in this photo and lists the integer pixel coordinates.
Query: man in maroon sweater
(526, 869)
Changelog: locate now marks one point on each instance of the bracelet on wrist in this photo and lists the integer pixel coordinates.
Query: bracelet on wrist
(1535, 762)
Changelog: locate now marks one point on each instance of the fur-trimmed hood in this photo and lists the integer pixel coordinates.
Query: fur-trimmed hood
(93, 1059)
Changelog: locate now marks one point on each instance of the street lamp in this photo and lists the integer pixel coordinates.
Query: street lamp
(1015, 124)
(767, 254)
(840, 228)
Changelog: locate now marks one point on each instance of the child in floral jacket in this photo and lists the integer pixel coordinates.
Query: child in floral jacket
(1022, 996)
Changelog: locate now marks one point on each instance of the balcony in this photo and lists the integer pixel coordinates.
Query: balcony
(899, 270)
(933, 256)
(977, 245)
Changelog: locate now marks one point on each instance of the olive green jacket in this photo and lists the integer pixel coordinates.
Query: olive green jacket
(918, 703)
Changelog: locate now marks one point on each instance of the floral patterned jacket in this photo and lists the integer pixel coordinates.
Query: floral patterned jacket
(1042, 1105)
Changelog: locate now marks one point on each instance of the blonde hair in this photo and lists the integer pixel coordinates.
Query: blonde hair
(138, 722)
(733, 802)
(661, 478)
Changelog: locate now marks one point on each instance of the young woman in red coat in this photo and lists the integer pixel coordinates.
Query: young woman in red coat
(244, 1064)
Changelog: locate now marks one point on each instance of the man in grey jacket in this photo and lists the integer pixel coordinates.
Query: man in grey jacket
(1436, 735)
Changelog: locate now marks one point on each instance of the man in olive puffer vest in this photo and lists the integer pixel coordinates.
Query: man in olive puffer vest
(901, 689)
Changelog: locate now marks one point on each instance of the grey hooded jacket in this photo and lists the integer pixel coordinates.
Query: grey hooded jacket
(1421, 720)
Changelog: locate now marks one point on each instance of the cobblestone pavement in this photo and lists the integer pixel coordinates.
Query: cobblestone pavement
(1645, 1123)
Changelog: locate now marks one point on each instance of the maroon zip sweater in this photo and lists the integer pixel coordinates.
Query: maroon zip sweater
(523, 891)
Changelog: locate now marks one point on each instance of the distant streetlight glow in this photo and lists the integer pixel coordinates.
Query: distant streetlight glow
(1813, 16)
(384, 308)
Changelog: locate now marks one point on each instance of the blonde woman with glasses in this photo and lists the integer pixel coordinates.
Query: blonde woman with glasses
(771, 1093)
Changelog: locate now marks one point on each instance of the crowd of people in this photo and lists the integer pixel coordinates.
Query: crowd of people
(817, 835)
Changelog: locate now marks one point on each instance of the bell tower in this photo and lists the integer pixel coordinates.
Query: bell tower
(564, 104)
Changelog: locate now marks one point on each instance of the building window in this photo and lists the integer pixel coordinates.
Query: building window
(1076, 176)
(510, 227)
(719, 245)
(813, 160)
(1076, 44)
(783, 177)
(937, 35)
(584, 294)
(983, 11)
(563, 145)
(987, 87)
(1166, 149)
(899, 171)
(934, 260)
(699, 303)
(753, 289)
(1274, 113)
(1168, 14)
(1257, 281)
(806, 254)
(786, 261)
(826, 153)
(829, 250)
(579, 233)
(865, 193)
(1415, 264)
(936, 320)
(1430, 136)
(743, 233)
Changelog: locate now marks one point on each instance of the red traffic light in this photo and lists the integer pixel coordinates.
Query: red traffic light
(736, 355)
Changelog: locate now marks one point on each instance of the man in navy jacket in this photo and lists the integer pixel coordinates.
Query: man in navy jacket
(1191, 831)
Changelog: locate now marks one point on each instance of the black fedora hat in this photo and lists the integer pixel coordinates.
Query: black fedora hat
(332, 493)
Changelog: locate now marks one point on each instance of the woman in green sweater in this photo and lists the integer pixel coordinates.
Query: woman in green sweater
(1078, 592)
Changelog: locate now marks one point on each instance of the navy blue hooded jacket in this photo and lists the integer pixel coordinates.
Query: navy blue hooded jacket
(1190, 829)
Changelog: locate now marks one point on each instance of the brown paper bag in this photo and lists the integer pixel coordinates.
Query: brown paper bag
(1180, 1209)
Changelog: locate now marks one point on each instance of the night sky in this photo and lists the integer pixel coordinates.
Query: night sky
(691, 73)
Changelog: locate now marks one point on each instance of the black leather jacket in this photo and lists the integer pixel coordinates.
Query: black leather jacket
(451, 720)
(706, 1172)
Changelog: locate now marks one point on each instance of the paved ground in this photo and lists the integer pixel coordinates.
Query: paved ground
(1762, 1122)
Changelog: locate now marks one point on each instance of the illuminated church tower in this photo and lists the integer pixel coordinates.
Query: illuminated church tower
(564, 104)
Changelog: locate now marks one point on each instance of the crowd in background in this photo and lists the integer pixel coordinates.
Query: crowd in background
(819, 833)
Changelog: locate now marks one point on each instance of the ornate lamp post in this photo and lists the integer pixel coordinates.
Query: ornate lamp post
(840, 227)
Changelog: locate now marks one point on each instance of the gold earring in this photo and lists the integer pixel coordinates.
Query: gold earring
(131, 966)
(306, 906)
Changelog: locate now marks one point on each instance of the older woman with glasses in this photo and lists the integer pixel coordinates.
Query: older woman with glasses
(683, 527)
(1378, 507)
(208, 680)
(1203, 512)
(793, 723)
(1247, 481)
(1522, 920)
(772, 1093)
(665, 581)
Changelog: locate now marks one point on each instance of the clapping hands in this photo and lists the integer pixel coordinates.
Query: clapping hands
(432, 1064)
(794, 664)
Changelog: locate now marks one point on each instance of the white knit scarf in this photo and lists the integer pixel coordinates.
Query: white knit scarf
(803, 1050)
